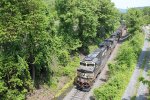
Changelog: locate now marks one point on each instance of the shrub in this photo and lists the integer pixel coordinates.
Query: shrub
(64, 58)
(109, 91)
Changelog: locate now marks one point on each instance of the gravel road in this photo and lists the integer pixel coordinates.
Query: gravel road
(102, 78)
(132, 86)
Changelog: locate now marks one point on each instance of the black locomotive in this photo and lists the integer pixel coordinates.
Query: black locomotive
(93, 64)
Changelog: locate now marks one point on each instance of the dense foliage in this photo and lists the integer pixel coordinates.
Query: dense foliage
(146, 13)
(136, 17)
(121, 69)
(39, 39)
(134, 20)
(25, 46)
(107, 18)
(80, 22)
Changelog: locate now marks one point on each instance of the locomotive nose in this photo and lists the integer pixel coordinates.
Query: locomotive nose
(86, 85)
(83, 84)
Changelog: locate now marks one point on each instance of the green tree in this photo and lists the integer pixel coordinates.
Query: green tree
(25, 42)
(134, 19)
(108, 18)
(146, 16)
(78, 21)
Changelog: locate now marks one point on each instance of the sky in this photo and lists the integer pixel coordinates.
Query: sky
(124, 4)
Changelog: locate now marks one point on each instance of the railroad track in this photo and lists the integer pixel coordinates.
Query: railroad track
(78, 95)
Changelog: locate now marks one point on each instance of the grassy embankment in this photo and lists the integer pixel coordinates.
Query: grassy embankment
(121, 69)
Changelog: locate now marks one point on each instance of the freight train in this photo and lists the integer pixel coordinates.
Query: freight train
(92, 65)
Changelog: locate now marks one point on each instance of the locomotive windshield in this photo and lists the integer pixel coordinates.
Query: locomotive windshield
(83, 64)
(90, 65)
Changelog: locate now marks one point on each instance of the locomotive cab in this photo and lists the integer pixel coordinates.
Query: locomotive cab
(86, 70)
(85, 76)
(90, 67)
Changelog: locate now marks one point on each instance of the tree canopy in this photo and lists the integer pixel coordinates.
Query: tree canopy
(36, 36)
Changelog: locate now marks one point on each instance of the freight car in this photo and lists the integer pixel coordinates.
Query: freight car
(92, 65)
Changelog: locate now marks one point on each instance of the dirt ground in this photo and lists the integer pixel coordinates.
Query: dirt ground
(40, 94)
(45, 93)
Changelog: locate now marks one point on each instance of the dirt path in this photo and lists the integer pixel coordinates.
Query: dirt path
(131, 89)
(101, 79)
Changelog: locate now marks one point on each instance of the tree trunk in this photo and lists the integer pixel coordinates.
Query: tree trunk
(32, 67)
(33, 72)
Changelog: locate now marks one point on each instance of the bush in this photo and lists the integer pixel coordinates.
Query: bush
(126, 55)
(109, 91)
(137, 41)
(17, 82)
(70, 69)
(64, 58)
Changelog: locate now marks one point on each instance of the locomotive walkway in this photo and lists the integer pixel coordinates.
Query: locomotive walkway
(135, 89)
(102, 78)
